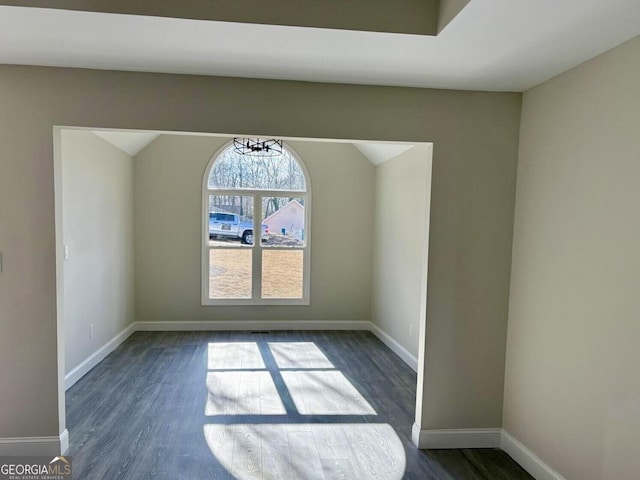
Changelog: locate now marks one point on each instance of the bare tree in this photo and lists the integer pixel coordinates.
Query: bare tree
(232, 170)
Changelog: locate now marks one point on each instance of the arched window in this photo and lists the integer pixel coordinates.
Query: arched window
(256, 218)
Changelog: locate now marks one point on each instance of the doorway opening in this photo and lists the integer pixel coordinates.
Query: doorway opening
(130, 208)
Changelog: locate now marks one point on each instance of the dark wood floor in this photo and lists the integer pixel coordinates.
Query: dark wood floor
(141, 413)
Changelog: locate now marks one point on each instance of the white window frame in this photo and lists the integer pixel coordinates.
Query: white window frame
(257, 248)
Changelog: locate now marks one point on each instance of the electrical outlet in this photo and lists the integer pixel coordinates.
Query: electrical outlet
(91, 331)
(66, 252)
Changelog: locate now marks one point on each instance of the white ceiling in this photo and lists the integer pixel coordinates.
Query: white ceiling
(129, 142)
(378, 153)
(503, 45)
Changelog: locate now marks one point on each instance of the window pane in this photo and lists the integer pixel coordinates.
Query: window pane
(283, 218)
(229, 273)
(230, 220)
(282, 273)
(232, 170)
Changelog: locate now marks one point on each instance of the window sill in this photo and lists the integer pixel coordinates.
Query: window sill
(279, 302)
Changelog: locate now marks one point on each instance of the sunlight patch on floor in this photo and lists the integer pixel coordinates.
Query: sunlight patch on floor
(242, 393)
(234, 356)
(325, 393)
(309, 451)
(299, 355)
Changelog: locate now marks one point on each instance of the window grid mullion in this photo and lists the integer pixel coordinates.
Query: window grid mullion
(256, 279)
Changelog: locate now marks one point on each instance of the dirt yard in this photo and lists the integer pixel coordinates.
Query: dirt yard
(230, 274)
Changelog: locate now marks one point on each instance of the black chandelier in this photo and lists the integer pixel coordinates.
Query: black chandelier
(259, 147)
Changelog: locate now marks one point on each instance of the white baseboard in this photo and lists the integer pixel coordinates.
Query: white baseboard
(248, 325)
(527, 459)
(237, 325)
(456, 438)
(34, 446)
(95, 358)
(395, 347)
(64, 442)
(415, 435)
(485, 438)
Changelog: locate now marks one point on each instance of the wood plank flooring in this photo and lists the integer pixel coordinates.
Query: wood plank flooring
(282, 405)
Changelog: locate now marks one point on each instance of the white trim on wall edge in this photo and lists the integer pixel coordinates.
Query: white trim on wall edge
(96, 357)
(395, 347)
(248, 325)
(31, 446)
(456, 438)
(415, 435)
(527, 459)
(64, 442)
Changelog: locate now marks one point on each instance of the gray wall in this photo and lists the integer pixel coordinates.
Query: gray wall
(97, 192)
(401, 233)
(419, 17)
(475, 139)
(168, 202)
(572, 392)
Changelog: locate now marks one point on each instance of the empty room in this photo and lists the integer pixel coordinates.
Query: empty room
(317, 240)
